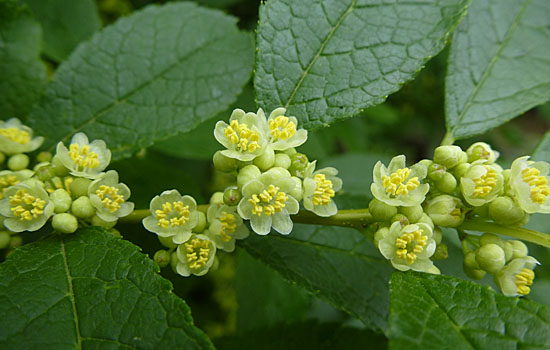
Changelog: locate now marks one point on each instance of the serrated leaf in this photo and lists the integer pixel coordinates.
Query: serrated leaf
(499, 64)
(326, 60)
(90, 290)
(65, 24)
(23, 75)
(336, 264)
(543, 149)
(159, 71)
(441, 312)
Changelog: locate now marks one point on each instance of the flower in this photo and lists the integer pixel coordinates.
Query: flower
(481, 183)
(282, 130)
(267, 203)
(9, 178)
(17, 138)
(409, 247)
(26, 207)
(173, 215)
(319, 189)
(83, 158)
(245, 137)
(529, 185)
(515, 278)
(226, 226)
(195, 256)
(109, 197)
(398, 185)
(482, 150)
(445, 210)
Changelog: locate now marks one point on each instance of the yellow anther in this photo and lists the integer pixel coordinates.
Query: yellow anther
(323, 192)
(173, 214)
(198, 251)
(109, 197)
(539, 185)
(241, 136)
(485, 183)
(409, 244)
(268, 201)
(395, 184)
(82, 157)
(7, 181)
(16, 135)
(281, 128)
(26, 206)
(228, 226)
(524, 279)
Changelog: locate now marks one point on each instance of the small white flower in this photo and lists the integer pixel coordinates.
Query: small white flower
(83, 158)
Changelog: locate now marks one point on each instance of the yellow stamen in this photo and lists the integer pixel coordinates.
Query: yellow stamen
(241, 136)
(16, 135)
(524, 279)
(281, 128)
(82, 157)
(26, 206)
(323, 192)
(539, 185)
(269, 201)
(198, 251)
(395, 184)
(109, 197)
(410, 244)
(7, 181)
(172, 214)
(228, 226)
(485, 183)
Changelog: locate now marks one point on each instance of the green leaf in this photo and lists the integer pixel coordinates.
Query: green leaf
(543, 149)
(439, 312)
(326, 60)
(159, 71)
(499, 65)
(336, 264)
(65, 24)
(23, 74)
(90, 290)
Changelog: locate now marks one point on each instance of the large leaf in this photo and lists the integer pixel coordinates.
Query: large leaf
(65, 24)
(22, 73)
(327, 59)
(499, 65)
(336, 264)
(159, 71)
(543, 149)
(441, 312)
(90, 290)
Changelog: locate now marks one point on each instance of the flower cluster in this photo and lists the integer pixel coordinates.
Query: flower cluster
(412, 204)
(271, 179)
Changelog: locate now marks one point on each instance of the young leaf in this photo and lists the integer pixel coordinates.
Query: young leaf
(334, 263)
(159, 71)
(65, 24)
(326, 60)
(499, 64)
(23, 75)
(90, 290)
(436, 312)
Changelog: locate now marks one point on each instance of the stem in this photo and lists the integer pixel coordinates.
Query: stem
(448, 139)
(536, 237)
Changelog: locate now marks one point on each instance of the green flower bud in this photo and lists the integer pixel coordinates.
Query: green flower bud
(461, 169)
(5, 239)
(381, 233)
(298, 191)
(381, 211)
(481, 150)
(97, 221)
(2, 157)
(414, 213)
(445, 211)
(449, 156)
(508, 250)
(505, 211)
(44, 172)
(162, 258)
(82, 208)
(426, 219)
(201, 222)
(470, 261)
(474, 273)
(436, 171)
(16, 241)
(290, 151)
(223, 163)
(279, 172)
(64, 223)
(441, 252)
(167, 242)
(18, 162)
(426, 162)
(232, 196)
(58, 167)
(246, 174)
(519, 249)
(216, 198)
(402, 219)
(44, 157)
(490, 258)
(62, 200)
(174, 261)
(438, 235)
(298, 164)
(490, 238)
(79, 187)
(266, 160)
(282, 160)
(447, 184)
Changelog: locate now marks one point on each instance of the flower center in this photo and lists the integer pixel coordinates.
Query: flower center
(7, 181)
(197, 252)
(395, 184)
(269, 201)
(109, 197)
(539, 185)
(410, 244)
(26, 206)
(16, 135)
(324, 192)
(228, 226)
(172, 214)
(82, 157)
(242, 136)
(485, 183)
(524, 279)
(281, 128)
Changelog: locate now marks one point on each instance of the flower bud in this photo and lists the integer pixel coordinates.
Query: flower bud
(279, 172)
(282, 160)
(461, 169)
(64, 223)
(413, 213)
(232, 196)
(381, 211)
(82, 208)
(426, 219)
(216, 198)
(438, 235)
(447, 184)
(490, 238)
(62, 200)
(58, 167)
(505, 211)
(298, 190)
(426, 162)
(381, 233)
(174, 261)
(441, 252)
(290, 151)
(201, 223)
(481, 150)
(249, 172)
(223, 163)
(402, 219)
(18, 162)
(162, 258)
(436, 171)
(519, 249)
(97, 221)
(167, 242)
(445, 210)
(266, 160)
(508, 250)
(44, 157)
(5, 239)
(490, 258)
(2, 157)
(298, 164)
(44, 172)
(474, 273)
(79, 187)
(470, 261)
(449, 156)
(16, 241)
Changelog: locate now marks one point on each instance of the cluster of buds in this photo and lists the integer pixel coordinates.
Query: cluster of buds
(270, 180)
(70, 187)
(412, 204)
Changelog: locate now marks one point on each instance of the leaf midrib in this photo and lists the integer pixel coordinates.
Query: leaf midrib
(71, 294)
